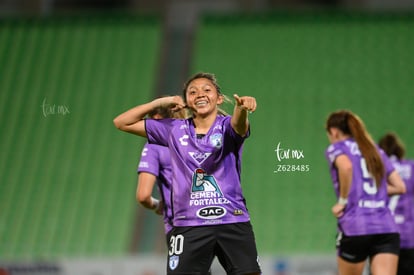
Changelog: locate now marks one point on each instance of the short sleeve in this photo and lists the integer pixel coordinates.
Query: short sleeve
(158, 130)
(332, 152)
(149, 161)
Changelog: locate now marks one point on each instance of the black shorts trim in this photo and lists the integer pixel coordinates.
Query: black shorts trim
(357, 249)
(406, 262)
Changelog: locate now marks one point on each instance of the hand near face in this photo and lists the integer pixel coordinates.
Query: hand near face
(176, 102)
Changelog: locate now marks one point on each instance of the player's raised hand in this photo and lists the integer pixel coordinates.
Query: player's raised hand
(247, 103)
(175, 102)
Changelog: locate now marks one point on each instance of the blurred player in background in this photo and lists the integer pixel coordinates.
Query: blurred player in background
(363, 177)
(402, 206)
(155, 168)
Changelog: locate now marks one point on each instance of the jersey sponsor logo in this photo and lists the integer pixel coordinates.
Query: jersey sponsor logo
(211, 212)
(203, 182)
(330, 148)
(332, 155)
(205, 190)
(353, 147)
(199, 157)
(143, 164)
(218, 127)
(183, 140)
(173, 262)
(404, 170)
(216, 140)
(371, 204)
(238, 212)
(399, 219)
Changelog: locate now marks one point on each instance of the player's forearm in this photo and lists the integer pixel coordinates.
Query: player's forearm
(345, 180)
(396, 185)
(147, 203)
(243, 106)
(239, 120)
(133, 115)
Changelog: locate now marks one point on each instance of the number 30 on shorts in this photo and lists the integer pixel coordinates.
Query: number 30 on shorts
(176, 245)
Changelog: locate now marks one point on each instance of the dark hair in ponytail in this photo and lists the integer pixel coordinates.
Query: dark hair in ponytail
(392, 145)
(351, 124)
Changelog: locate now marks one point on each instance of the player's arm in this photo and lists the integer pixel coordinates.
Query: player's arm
(132, 121)
(344, 167)
(239, 120)
(395, 185)
(146, 182)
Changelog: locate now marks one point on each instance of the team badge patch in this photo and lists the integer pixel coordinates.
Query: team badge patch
(216, 140)
(173, 262)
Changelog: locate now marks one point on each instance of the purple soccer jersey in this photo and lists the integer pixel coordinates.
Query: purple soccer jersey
(206, 171)
(402, 206)
(155, 159)
(366, 212)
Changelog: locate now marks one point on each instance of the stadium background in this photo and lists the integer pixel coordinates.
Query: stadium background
(67, 68)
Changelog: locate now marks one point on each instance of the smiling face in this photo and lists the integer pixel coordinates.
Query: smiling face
(202, 96)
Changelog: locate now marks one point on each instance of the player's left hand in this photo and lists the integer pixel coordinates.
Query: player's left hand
(247, 103)
(160, 207)
(338, 210)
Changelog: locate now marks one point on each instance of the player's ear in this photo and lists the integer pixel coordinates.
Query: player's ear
(220, 99)
(334, 132)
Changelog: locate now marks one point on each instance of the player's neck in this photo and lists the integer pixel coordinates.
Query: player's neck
(203, 124)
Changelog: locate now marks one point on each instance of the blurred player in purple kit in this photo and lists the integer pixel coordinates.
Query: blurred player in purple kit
(155, 169)
(363, 177)
(402, 206)
(210, 216)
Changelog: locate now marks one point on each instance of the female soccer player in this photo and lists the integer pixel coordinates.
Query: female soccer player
(155, 169)
(210, 217)
(402, 206)
(363, 177)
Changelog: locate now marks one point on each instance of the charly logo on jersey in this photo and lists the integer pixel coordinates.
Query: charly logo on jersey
(183, 140)
(332, 152)
(144, 152)
(216, 140)
(173, 262)
(199, 157)
(211, 212)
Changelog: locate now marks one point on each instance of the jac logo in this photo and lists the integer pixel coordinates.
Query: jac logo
(212, 212)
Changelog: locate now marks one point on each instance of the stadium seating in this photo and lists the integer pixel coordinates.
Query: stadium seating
(68, 176)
